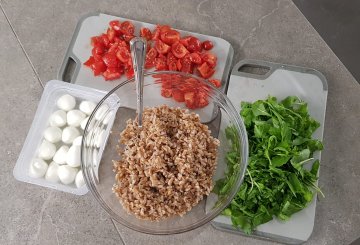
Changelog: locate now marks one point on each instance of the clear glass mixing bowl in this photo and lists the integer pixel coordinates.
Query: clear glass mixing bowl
(102, 133)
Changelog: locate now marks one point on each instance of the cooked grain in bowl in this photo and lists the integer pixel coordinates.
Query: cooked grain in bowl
(166, 167)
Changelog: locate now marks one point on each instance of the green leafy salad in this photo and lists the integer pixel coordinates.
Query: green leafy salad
(276, 184)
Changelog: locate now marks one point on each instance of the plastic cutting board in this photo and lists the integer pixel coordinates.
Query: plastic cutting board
(281, 81)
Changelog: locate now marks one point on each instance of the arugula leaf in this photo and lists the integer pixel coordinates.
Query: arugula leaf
(276, 184)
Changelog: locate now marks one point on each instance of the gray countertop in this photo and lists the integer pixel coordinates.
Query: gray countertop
(34, 37)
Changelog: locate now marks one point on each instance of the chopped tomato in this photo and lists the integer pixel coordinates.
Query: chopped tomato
(160, 63)
(96, 40)
(152, 53)
(170, 36)
(179, 50)
(110, 60)
(156, 34)
(130, 73)
(209, 58)
(186, 65)
(185, 41)
(98, 50)
(145, 33)
(164, 28)
(172, 66)
(189, 98)
(105, 40)
(201, 99)
(114, 47)
(178, 95)
(162, 47)
(165, 92)
(98, 67)
(98, 57)
(171, 58)
(205, 70)
(112, 73)
(207, 45)
(128, 37)
(195, 58)
(127, 28)
(123, 54)
(90, 61)
(111, 34)
(216, 82)
(116, 26)
(194, 45)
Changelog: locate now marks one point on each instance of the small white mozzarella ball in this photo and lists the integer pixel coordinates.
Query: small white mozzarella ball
(73, 156)
(87, 107)
(58, 118)
(100, 138)
(75, 117)
(46, 150)
(79, 179)
(53, 134)
(66, 102)
(77, 141)
(69, 134)
(52, 172)
(107, 118)
(66, 174)
(60, 155)
(38, 168)
(83, 123)
(101, 112)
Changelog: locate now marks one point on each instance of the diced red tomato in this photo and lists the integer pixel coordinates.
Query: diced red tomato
(216, 82)
(161, 47)
(189, 98)
(209, 58)
(116, 26)
(171, 36)
(152, 53)
(98, 50)
(205, 70)
(194, 45)
(185, 41)
(195, 58)
(172, 66)
(163, 28)
(112, 73)
(201, 99)
(186, 65)
(130, 73)
(165, 92)
(145, 33)
(98, 57)
(128, 37)
(105, 40)
(170, 58)
(127, 28)
(178, 64)
(178, 95)
(207, 45)
(111, 60)
(96, 40)
(90, 61)
(179, 50)
(156, 34)
(111, 34)
(98, 67)
(160, 64)
(114, 47)
(123, 54)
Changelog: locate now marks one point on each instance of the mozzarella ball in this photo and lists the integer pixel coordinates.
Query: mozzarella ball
(53, 134)
(100, 138)
(60, 155)
(77, 141)
(46, 150)
(75, 117)
(52, 173)
(107, 118)
(58, 118)
(101, 112)
(66, 102)
(79, 179)
(83, 123)
(66, 174)
(73, 156)
(69, 134)
(37, 168)
(87, 107)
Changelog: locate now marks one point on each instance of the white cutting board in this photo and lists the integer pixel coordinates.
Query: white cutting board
(280, 81)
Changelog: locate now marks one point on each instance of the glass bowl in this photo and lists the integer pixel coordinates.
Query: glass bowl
(101, 140)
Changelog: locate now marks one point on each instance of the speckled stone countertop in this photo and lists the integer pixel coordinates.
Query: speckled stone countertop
(34, 37)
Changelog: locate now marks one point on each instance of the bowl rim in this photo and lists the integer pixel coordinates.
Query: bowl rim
(242, 137)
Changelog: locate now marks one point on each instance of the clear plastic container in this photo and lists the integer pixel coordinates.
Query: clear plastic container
(47, 105)
(100, 178)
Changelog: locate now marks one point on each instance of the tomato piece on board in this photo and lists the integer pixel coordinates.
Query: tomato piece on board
(170, 37)
(163, 28)
(112, 73)
(195, 58)
(145, 33)
(178, 95)
(185, 41)
(161, 47)
(152, 53)
(98, 50)
(201, 100)
(123, 54)
(207, 45)
(111, 60)
(156, 34)
(160, 64)
(189, 98)
(170, 58)
(127, 28)
(90, 61)
(215, 82)
(130, 73)
(205, 70)
(114, 47)
(172, 66)
(116, 26)
(186, 65)
(111, 34)
(194, 45)
(105, 40)
(128, 37)
(209, 58)
(98, 67)
(179, 50)
(165, 92)
(96, 40)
